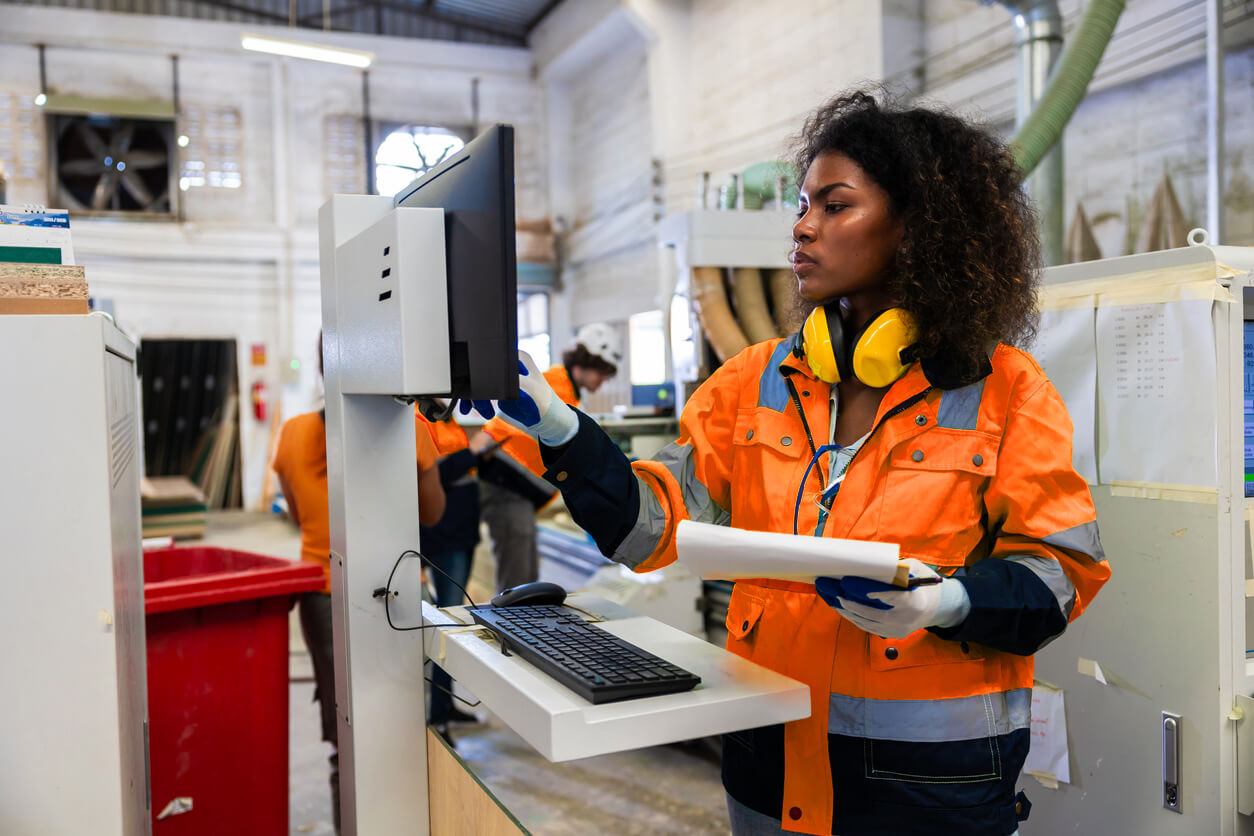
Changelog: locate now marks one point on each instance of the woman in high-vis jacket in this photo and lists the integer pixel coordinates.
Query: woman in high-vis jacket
(900, 413)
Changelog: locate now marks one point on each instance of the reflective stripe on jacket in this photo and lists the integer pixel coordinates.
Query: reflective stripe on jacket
(516, 443)
(925, 734)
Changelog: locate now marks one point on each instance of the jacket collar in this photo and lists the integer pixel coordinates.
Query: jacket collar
(929, 373)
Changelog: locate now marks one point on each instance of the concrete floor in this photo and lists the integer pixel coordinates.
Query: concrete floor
(663, 790)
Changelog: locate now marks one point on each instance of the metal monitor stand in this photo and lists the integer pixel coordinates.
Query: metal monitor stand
(373, 492)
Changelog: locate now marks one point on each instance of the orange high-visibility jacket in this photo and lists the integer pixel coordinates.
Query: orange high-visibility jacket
(516, 443)
(925, 734)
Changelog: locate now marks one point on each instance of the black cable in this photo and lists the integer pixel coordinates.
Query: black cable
(385, 592)
(461, 700)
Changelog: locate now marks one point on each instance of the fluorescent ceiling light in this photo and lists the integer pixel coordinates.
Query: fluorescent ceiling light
(312, 52)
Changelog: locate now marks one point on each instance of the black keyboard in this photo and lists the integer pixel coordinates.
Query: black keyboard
(596, 665)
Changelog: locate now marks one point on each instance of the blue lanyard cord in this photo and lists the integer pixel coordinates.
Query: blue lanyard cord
(826, 448)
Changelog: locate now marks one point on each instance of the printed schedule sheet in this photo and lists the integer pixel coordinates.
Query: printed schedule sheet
(1156, 392)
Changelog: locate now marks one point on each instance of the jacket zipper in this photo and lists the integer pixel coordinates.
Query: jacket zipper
(796, 401)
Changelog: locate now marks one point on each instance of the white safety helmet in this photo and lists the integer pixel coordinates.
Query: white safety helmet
(601, 340)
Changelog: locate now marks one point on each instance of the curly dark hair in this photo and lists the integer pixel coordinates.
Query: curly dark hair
(969, 262)
(581, 356)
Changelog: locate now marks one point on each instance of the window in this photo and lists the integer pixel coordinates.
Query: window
(646, 341)
(533, 327)
(408, 153)
(21, 145)
(212, 156)
(342, 161)
(685, 342)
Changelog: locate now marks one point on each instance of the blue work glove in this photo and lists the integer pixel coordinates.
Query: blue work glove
(537, 410)
(893, 612)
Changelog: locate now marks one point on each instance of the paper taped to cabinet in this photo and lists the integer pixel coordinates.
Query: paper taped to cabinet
(719, 552)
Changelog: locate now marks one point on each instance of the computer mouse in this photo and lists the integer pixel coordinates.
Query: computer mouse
(538, 592)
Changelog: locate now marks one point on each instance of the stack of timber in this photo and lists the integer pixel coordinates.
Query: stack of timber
(172, 507)
(216, 460)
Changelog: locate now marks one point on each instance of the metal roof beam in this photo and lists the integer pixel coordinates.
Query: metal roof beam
(423, 12)
(247, 10)
(542, 14)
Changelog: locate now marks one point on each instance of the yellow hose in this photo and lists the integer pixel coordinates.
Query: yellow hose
(709, 298)
(788, 314)
(751, 308)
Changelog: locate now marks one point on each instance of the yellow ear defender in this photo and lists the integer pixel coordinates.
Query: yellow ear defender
(877, 354)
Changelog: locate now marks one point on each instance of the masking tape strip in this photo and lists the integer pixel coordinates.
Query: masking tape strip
(1089, 667)
(1160, 490)
(1142, 296)
(1164, 284)
(1048, 779)
(1043, 684)
(452, 631)
(1249, 588)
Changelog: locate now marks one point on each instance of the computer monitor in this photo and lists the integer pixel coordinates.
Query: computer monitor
(475, 188)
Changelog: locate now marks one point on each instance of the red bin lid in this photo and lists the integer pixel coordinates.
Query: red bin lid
(182, 578)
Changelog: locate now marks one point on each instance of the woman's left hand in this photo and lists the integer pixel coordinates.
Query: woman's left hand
(892, 612)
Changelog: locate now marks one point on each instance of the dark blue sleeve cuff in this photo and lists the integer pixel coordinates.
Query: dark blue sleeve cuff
(597, 484)
(1012, 610)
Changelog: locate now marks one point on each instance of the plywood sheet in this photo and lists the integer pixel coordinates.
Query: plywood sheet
(460, 804)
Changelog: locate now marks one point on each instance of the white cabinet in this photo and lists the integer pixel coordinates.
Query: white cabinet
(73, 703)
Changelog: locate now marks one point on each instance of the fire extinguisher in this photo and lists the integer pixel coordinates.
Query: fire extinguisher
(259, 399)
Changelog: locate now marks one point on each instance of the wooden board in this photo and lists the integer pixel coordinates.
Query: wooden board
(459, 804)
(43, 306)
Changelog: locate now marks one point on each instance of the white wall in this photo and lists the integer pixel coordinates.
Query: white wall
(1145, 113)
(243, 265)
(606, 88)
(729, 82)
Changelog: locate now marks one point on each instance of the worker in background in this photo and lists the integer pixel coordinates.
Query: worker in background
(300, 462)
(449, 545)
(917, 249)
(512, 485)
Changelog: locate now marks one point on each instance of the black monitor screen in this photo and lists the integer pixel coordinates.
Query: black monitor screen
(475, 188)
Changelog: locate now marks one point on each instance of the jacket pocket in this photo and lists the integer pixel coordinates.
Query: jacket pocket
(917, 650)
(935, 483)
(934, 741)
(769, 455)
(976, 761)
(743, 613)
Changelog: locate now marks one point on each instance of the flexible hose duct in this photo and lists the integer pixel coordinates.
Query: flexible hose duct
(787, 301)
(710, 300)
(1068, 84)
(751, 309)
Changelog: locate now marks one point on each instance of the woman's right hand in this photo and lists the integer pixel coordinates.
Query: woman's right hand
(537, 410)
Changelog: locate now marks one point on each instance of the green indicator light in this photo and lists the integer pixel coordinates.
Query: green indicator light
(295, 365)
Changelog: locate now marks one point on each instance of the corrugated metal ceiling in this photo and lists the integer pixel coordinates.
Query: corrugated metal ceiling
(503, 22)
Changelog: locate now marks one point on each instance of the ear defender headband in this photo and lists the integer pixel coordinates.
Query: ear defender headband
(877, 354)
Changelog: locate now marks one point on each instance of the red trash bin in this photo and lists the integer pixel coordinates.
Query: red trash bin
(217, 624)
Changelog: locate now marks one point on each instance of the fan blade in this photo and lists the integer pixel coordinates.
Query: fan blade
(83, 167)
(145, 159)
(137, 189)
(92, 140)
(122, 140)
(105, 187)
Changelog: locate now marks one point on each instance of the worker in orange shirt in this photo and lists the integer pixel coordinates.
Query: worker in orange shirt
(300, 462)
(512, 486)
